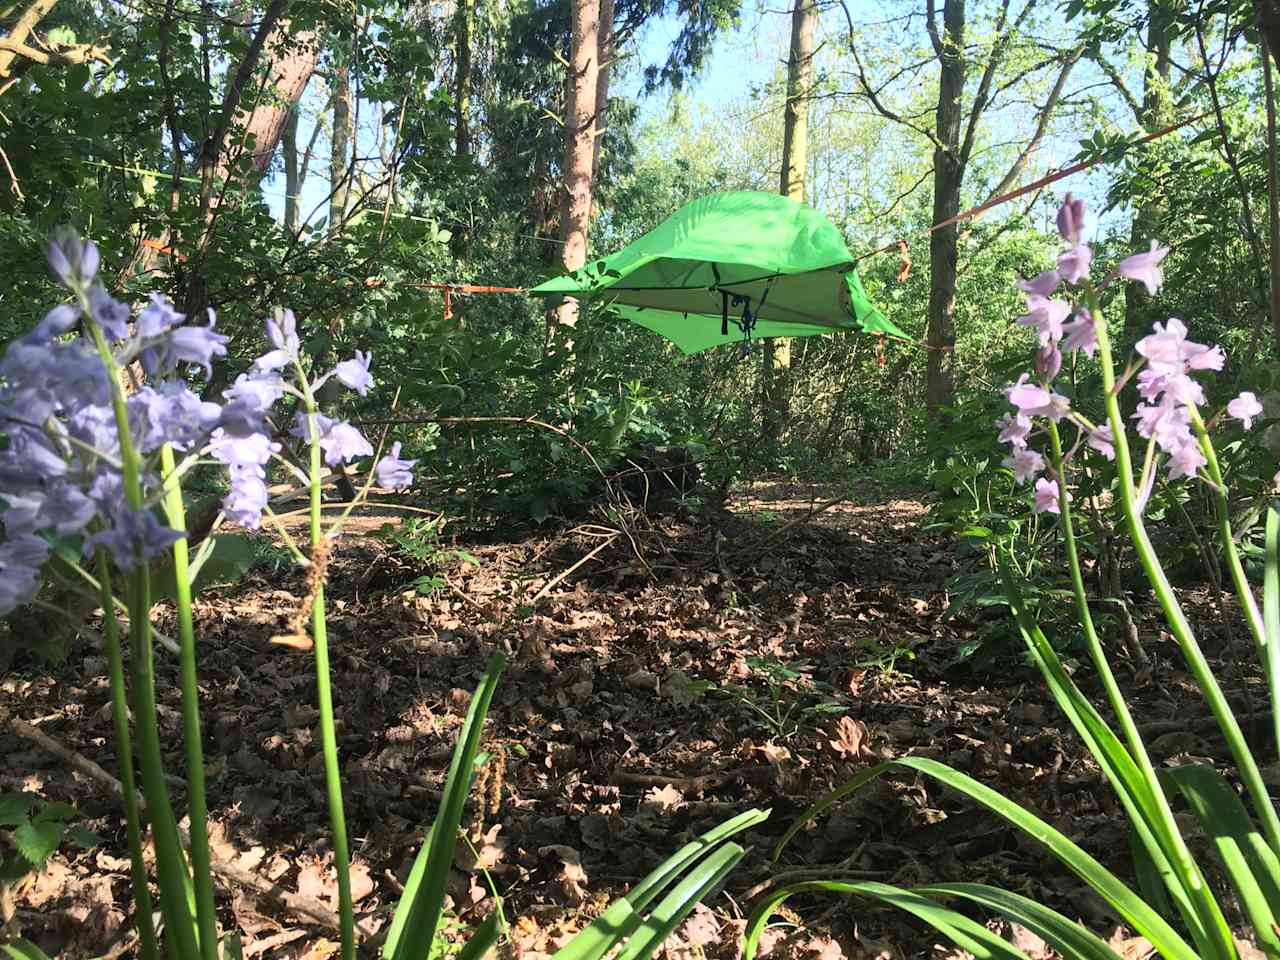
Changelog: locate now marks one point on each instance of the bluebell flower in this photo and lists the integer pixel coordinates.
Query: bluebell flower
(249, 401)
(282, 331)
(94, 426)
(393, 473)
(22, 512)
(20, 561)
(73, 262)
(31, 461)
(246, 500)
(171, 413)
(254, 450)
(355, 372)
(106, 490)
(55, 323)
(136, 537)
(66, 510)
(340, 441)
(110, 314)
(155, 320)
(246, 458)
(198, 345)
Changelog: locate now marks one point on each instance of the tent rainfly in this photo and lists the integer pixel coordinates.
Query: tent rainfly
(728, 267)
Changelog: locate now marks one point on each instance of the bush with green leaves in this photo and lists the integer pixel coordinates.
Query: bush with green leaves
(1177, 909)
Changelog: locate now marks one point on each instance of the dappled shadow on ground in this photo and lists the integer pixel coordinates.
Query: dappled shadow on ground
(661, 680)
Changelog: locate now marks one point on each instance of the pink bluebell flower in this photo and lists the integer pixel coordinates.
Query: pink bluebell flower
(1144, 268)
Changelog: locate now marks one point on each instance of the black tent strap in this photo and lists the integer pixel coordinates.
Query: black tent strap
(747, 323)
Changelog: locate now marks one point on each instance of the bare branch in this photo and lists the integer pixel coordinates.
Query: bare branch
(1042, 123)
(874, 98)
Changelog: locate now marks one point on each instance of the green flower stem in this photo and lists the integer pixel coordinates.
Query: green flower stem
(1248, 603)
(124, 749)
(171, 864)
(197, 804)
(1178, 625)
(1100, 662)
(1271, 614)
(324, 696)
(1156, 809)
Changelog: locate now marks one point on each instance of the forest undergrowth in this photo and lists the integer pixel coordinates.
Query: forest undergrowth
(662, 679)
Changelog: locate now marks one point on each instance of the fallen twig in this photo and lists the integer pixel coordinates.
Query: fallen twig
(554, 581)
(813, 512)
(689, 784)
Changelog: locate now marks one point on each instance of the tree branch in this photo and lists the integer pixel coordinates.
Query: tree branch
(874, 98)
(1042, 122)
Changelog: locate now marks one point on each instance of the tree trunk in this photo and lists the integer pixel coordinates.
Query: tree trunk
(948, 176)
(602, 82)
(579, 141)
(1269, 23)
(340, 147)
(462, 80)
(1157, 112)
(292, 177)
(293, 63)
(795, 163)
(1273, 193)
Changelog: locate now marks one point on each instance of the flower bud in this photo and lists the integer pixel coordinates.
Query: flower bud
(1048, 361)
(1071, 219)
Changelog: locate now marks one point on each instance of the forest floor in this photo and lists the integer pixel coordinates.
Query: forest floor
(679, 675)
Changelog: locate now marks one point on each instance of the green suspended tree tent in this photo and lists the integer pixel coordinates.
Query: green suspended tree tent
(728, 267)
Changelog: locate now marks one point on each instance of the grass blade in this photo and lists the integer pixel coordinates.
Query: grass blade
(1249, 861)
(23, 950)
(484, 937)
(676, 905)
(417, 915)
(959, 929)
(1066, 936)
(1128, 904)
(625, 916)
(1271, 614)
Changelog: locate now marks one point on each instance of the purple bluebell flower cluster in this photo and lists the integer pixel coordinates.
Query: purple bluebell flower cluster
(1063, 321)
(62, 466)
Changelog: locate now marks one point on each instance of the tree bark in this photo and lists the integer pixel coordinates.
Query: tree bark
(1269, 23)
(948, 177)
(1273, 193)
(340, 147)
(579, 143)
(292, 179)
(462, 80)
(602, 82)
(795, 165)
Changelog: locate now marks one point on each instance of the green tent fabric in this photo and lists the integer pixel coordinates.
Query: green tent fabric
(729, 266)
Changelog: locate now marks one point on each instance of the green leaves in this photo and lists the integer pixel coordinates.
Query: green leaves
(710, 859)
(39, 828)
(417, 915)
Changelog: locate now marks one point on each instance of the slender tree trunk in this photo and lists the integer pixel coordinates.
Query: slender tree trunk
(948, 177)
(1269, 24)
(340, 147)
(462, 79)
(579, 141)
(292, 177)
(602, 82)
(1273, 193)
(1157, 112)
(795, 163)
